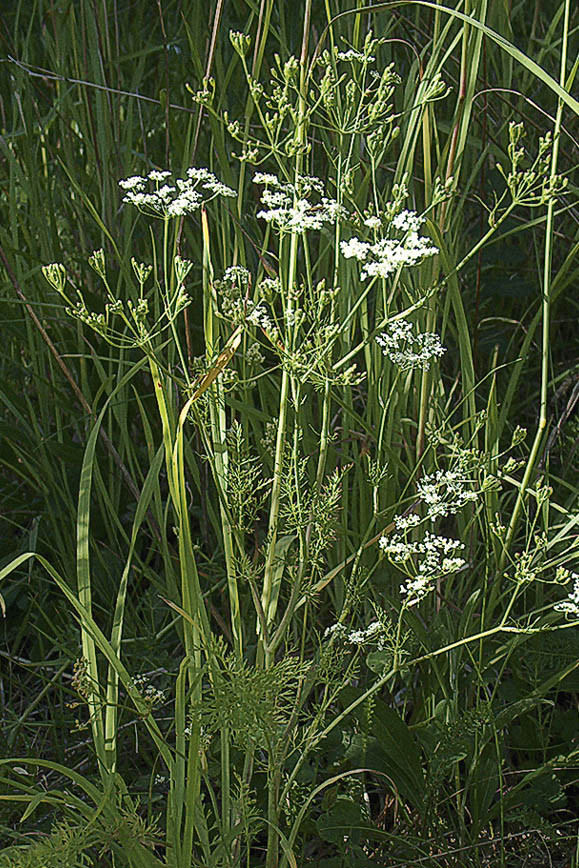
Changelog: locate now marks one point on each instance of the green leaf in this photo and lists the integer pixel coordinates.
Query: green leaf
(345, 819)
(391, 750)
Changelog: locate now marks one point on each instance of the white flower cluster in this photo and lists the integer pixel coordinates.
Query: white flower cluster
(407, 221)
(257, 315)
(185, 196)
(361, 637)
(270, 286)
(372, 222)
(571, 605)
(237, 274)
(355, 637)
(404, 522)
(389, 254)
(432, 557)
(353, 56)
(354, 248)
(151, 694)
(444, 492)
(288, 208)
(409, 350)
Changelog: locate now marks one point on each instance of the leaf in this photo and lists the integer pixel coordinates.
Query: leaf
(392, 750)
(345, 820)
(222, 360)
(379, 661)
(484, 786)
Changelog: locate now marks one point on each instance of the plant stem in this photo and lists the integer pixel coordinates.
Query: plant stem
(546, 309)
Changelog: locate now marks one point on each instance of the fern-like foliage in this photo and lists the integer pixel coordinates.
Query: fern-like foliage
(253, 704)
(246, 488)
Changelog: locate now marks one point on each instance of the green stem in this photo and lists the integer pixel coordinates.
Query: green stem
(546, 306)
(275, 500)
(218, 424)
(272, 859)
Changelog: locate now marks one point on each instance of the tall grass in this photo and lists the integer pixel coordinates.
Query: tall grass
(290, 509)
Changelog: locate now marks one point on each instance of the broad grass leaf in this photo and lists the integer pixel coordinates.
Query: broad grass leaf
(345, 819)
(484, 786)
(391, 750)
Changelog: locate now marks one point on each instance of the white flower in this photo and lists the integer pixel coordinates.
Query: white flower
(373, 222)
(236, 274)
(271, 285)
(398, 331)
(150, 693)
(408, 350)
(338, 630)
(352, 56)
(166, 192)
(452, 565)
(135, 182)
(257, 315)
(306, 183)
(355, 637)
(432, 547)
(360, 637)
(403, 522)
(354, 249)
(416, 588)
(209, 182)
(389, 254)
(288, 209)
(444, 492)
(159, 176)
(408, 221)
(333, 211)
(291, 317)
(220, 189)
(266, 179)
(425, 560)
(571, 605)
(185, 203)
(173, 200)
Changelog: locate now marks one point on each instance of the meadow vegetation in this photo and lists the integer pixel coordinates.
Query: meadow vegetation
(289, 469)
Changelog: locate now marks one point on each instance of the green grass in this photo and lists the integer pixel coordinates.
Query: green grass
(196, 487)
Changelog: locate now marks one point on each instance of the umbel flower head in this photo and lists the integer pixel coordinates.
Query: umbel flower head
(408, 350)
(154, 195)
(387, 255)
(423, 560)
(288, 208)
(444, 492)
(571, 605)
